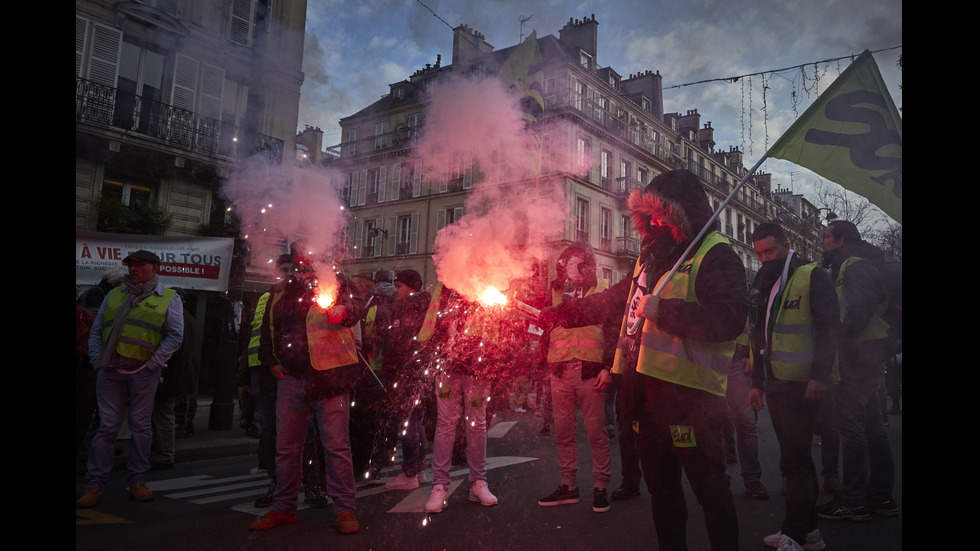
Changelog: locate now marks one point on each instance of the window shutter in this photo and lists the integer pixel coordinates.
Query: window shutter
(362, 189)
(212, 85)
(358, 230)
(81, 33)
(240, 26)
(382, 183)
(440, 219)
(379, 238)
(185, 83)
(417, 179)
(413, 244)
(394, 236)
(103, 63)
(396, 177)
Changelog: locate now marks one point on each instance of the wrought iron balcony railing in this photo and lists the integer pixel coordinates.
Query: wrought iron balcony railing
(107, 106)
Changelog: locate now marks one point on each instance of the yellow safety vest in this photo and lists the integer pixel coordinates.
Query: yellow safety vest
(256, 334)
(790, 347)
(431, 316)
(375, 360)
(142, 331)
(576, 343)
(877, 327)
(688, 362)
(330, 345)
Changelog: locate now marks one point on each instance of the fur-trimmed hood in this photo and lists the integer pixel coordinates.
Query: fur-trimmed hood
(675, 198)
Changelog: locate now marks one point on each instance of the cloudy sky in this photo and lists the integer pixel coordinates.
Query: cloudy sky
(356, 48)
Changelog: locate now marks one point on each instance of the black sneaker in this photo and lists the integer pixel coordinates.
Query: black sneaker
(561, 496)
(757, 490)
(887, 508)
(265, 500)
(625, 492)
(600, 503)
(315, 498)
(834, 510)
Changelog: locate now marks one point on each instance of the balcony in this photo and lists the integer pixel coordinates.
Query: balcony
(105, 106)
(627, 250)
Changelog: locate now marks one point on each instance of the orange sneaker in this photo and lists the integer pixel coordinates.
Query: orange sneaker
(347, 523)
(272, 519)
(140, 492)
(90, 498)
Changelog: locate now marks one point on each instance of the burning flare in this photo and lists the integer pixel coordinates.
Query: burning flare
(493, 297)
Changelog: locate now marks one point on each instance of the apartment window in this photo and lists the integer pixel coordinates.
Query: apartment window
(373, 237)
(126, 204)
(245, 16)
(626, 226)
(605, 157)
(352, 141)
(605, 229)
(607, 274)
(414, 124)
(140, 76)
(406, 234)
(376, 185)
(585, 59)
(583, 155)
(381, 135)
(643, 176)
(582, 219)
(449, 216)
(625, 168)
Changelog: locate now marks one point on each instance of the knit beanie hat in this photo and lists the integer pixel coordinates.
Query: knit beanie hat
(410, 278)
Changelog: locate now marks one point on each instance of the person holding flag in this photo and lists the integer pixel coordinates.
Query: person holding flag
(675, 347)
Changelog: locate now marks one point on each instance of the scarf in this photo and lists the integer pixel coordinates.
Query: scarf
(135, 292)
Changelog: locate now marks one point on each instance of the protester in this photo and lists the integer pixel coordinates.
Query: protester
(137, 329)
(178, 380)
(578, 360)
(743, 420)
(403, 376)
(467, 345)
(795, 331)
(868, 466)
(368, 414)
(310, 349)
(678, 347)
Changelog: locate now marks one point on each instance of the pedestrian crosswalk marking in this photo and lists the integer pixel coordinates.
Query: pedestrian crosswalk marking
(91, 516)
(203, 489)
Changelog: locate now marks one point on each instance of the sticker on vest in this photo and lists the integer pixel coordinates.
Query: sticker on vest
(634, 303)
(683, 436)
(477, 403)
(445, 393)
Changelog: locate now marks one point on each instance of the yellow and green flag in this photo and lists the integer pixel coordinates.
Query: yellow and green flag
(852, 135)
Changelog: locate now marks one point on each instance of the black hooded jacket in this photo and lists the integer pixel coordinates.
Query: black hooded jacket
(676, 200)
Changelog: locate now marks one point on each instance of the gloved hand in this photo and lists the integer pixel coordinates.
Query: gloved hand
(548, 318)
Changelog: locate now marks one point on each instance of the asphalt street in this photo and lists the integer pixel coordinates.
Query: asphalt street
(205, 503)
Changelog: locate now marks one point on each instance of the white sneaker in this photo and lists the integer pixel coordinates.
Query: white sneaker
(480, 492)
(402, 482)
(813, 541)
(438, 499)
(787, 543)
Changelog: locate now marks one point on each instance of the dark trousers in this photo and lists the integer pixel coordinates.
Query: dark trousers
(680, 428)
(794, 420)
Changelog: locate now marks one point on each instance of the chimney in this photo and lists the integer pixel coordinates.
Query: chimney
(312, 138)
(468, 45)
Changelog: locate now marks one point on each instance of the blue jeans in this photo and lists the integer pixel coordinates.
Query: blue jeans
(457, 394)
(332, 416)
(114, 392)
(868, 465)
(746, 437)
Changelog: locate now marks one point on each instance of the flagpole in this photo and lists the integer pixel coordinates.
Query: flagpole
(704, 230)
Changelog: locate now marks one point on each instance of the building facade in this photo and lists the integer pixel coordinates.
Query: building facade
(620, 139)
(170, 97)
